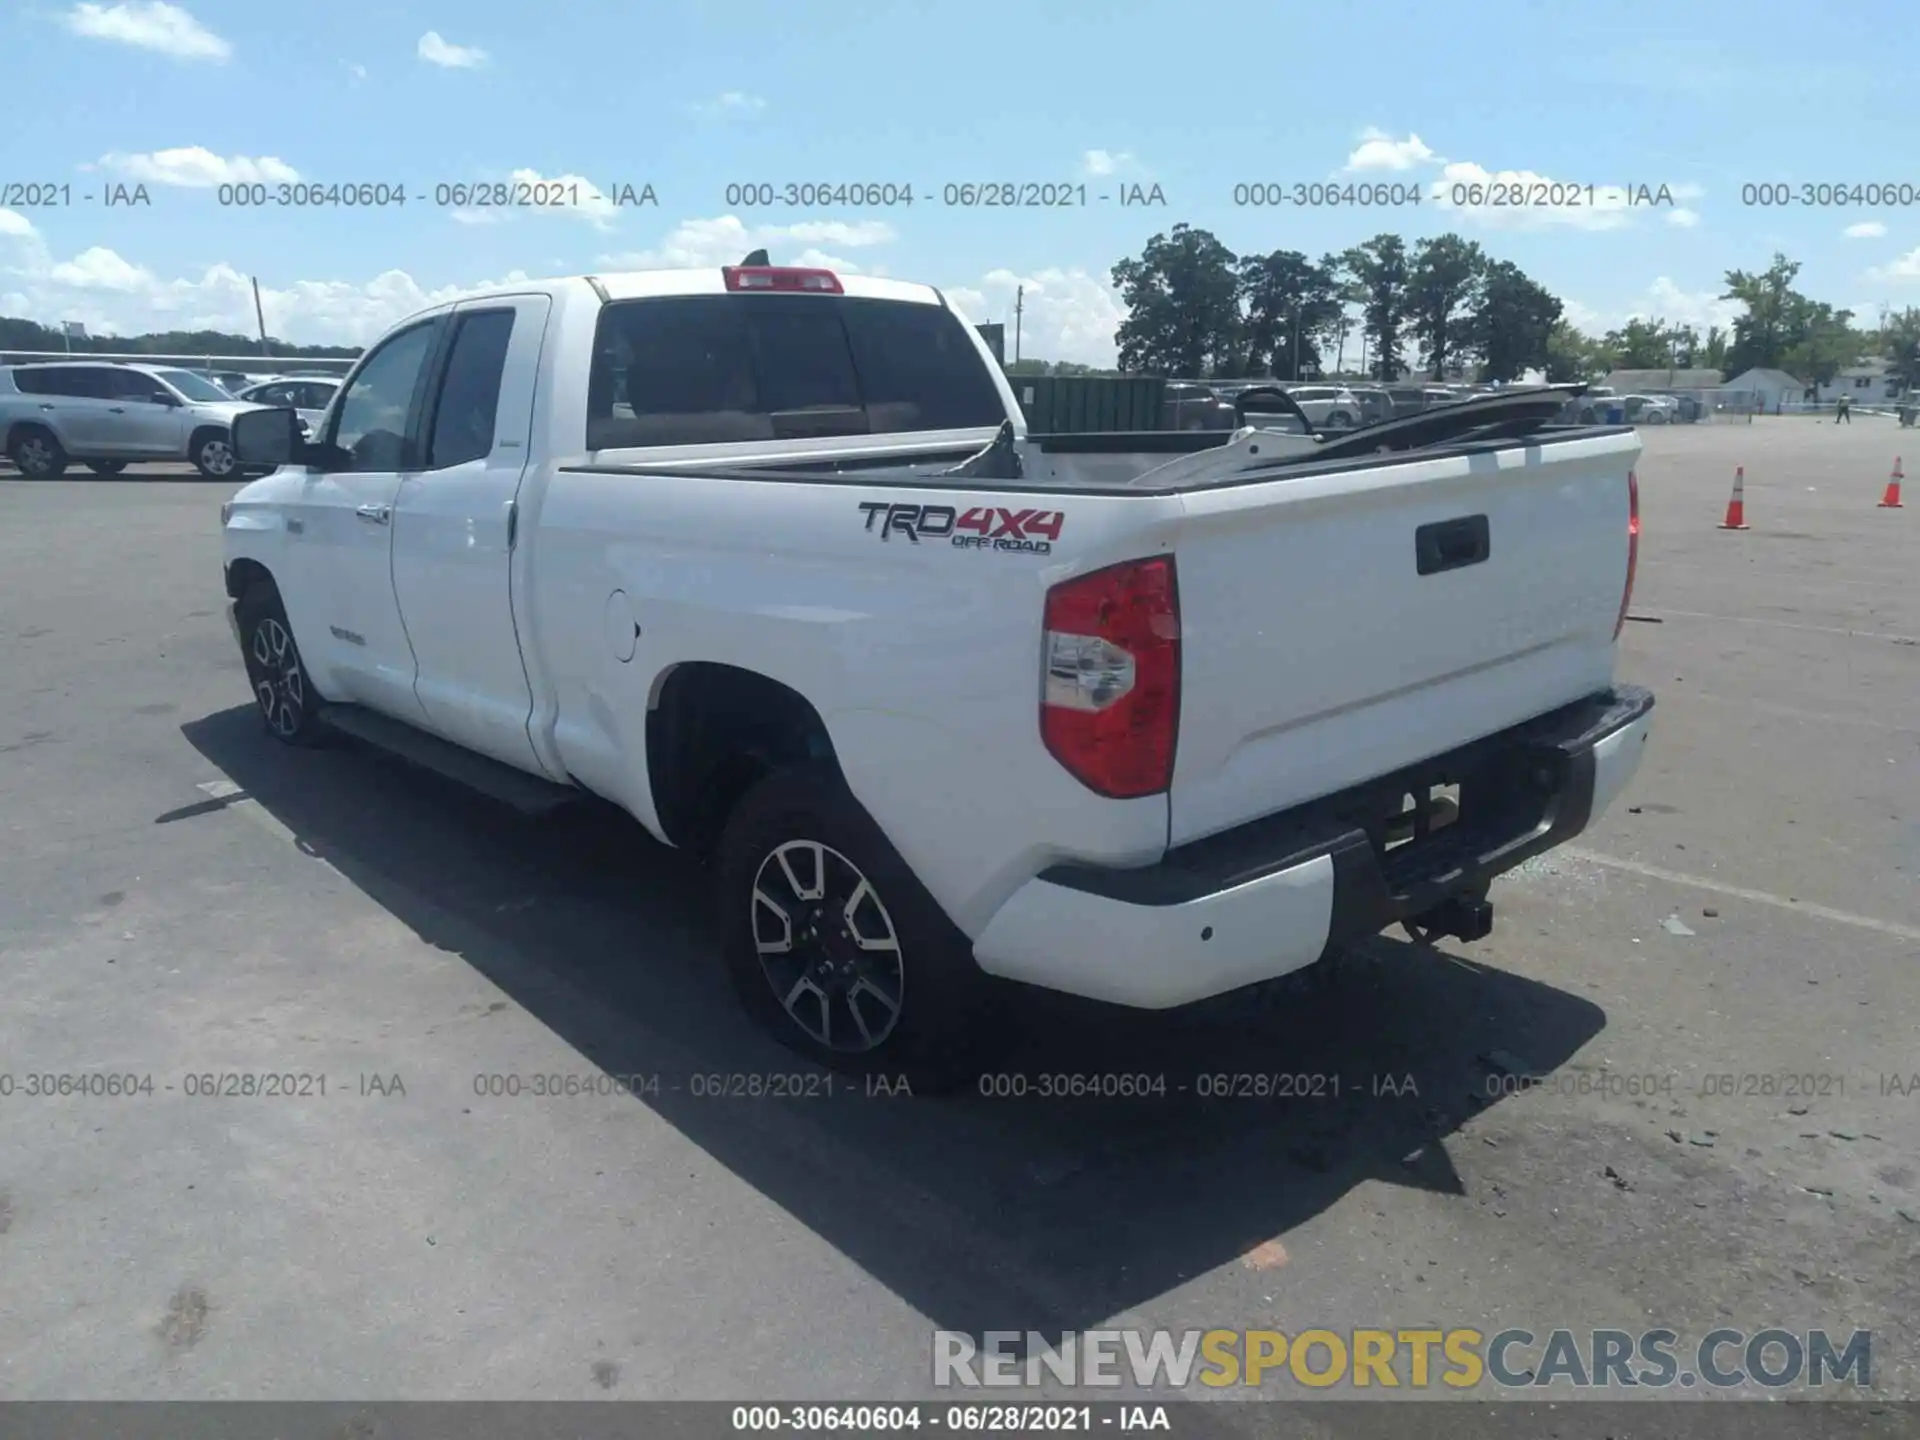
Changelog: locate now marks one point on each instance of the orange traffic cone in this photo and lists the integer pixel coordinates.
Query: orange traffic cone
(1891, 500)
(1737, 506)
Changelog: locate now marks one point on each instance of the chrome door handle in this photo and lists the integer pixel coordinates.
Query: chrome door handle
(378, 514)
(116, 410)
(46, 407)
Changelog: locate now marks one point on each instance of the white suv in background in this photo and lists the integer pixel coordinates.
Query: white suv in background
(108, 416)
(1327, 407)
(306, 395)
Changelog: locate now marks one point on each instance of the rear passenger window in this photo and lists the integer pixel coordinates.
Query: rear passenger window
(469, 402)
(717, 369)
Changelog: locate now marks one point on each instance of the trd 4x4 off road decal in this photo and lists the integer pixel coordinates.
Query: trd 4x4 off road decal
(1026, 532)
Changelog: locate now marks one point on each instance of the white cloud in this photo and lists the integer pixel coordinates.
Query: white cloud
(113, 295)
(1664, 299)
(149, 25)
(436, 51)
(1520, 199)
(1502, 200)
(1865, 230)
(357, 73)
(1378, 150)
(732, 102)
(534, 194)
(726, 240)
(13, 223)
(1066, 314)
(565, 195)
(1105, 162)
(1907, 267)
(195, 167)
(101, 269)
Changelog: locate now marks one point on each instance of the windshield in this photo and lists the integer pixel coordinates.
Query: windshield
(194, 387)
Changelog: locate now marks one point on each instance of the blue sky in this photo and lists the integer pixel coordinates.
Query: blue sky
(689, 97)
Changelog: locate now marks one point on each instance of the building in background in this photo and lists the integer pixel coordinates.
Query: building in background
(1771, 388)
(1871, 382)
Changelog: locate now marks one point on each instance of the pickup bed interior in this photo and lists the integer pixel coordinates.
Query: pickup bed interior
(1047, 462)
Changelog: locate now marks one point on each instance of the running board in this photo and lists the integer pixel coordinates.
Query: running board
(528, 794)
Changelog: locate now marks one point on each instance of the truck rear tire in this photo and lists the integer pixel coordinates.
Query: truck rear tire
(836, 948)
(287, 703)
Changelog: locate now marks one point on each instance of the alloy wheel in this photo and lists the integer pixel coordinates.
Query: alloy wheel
(278, 682)
(216, 457)
(34, 455)
(827, 946)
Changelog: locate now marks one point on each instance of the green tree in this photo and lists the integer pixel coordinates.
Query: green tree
(1824, 342)
(1183, 305)
(30, 335)
(1644, 345)
(1292, 305)
(1444, 278)
(1713, 351)
(1765, 332)
(1572, 356)
(1900, 343)
(1512, 330)
(1378, 270)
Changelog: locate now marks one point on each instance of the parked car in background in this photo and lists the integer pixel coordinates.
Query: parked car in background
(1191, 406)
(1649, 409)
(1376, 403)
(1329, 407)
(231, 381)
(1407, 399)
(306, 396)
(109, 415)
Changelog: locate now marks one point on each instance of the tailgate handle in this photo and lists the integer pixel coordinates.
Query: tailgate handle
(1451, 544)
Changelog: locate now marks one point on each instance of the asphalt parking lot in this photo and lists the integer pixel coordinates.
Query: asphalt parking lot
(1717, 988)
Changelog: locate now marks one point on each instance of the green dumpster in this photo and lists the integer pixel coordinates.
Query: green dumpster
(1080, 404)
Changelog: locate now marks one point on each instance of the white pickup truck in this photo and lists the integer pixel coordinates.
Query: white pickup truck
(766, 557)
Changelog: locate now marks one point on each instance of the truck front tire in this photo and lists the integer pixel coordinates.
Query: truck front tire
(835, 947)
(281, 691)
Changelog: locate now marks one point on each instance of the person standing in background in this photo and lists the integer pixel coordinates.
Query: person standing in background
(1844, 409)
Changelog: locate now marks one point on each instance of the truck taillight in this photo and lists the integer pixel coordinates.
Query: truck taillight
(1110, 679)
(1633, 549)
(781, 277)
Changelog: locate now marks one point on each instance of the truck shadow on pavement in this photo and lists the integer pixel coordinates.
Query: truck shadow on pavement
(1007, 1210)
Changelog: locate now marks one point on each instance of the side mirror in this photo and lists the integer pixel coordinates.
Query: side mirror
(166, 398)
(269, 438)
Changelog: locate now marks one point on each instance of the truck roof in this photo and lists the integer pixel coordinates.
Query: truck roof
(641, 284)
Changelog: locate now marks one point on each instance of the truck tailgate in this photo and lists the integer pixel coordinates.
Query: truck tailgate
(1343, 623)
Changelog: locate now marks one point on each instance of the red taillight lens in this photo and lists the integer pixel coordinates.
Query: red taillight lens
(776, 277)
(1110, 677)
(1633, 549)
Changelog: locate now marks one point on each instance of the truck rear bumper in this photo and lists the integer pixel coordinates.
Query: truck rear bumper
(1275, 895)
